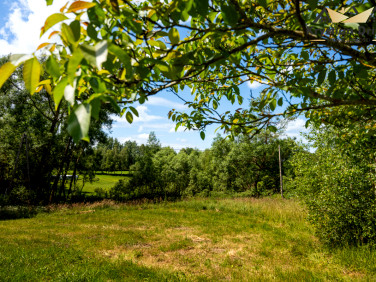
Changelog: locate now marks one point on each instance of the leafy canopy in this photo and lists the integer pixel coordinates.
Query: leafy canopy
(126, 51)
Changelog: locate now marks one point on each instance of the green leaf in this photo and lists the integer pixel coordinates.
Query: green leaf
(174, 36)
(97, 85)
(362, 73)
(141, 100)
(312, 3)
(332, 77)
(305, 55)
(123, 57)
(163, 67)
(58, 91)
(202, 7)
(67, 34)
(80, 5)
(6, 71)
(321, 77)
(280, 101)
(96, 15)
(73, 63)
(111, 100)
(230, 15)
(79, 123)
(202, 135)
(51, 21)
(134, 111)
(129, 117)
(95, 107)
(52, 67)
(273, 104)
(95, 55)
(31, 74)
(215, 104)
(91, 31)
(307, 123)
(263, 3)
(49, 2)
(115, 5)
(272, 128)
(240, 100)
(76, 30)
(184, 16)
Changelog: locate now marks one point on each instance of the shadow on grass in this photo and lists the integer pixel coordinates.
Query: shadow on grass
(17, 212)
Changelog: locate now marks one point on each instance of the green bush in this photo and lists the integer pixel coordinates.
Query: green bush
(340, 196)
(15, 212)
(101, 193)
(121, 191)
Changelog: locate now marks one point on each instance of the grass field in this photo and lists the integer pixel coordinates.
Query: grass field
(201, 239)
(103, 181)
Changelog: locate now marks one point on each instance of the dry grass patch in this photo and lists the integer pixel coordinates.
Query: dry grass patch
(183, 249)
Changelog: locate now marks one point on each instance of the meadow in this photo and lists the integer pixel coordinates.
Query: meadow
(193, 240)
(102, 181)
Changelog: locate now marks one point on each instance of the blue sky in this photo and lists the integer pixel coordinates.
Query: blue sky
(20, 23)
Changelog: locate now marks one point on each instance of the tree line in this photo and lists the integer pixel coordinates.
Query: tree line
(246, 166)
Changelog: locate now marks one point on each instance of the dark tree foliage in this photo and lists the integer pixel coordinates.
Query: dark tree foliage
(36, 151)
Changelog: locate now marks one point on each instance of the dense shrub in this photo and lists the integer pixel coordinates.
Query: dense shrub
(340, 196)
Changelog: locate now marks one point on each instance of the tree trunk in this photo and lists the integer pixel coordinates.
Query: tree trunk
(280, 170)
(57, 178)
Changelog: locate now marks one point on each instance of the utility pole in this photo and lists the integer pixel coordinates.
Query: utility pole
(280, 170)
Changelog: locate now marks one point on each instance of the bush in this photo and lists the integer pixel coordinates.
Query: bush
(100, 193)
(340, 197)
(16, 212)
(121, 191)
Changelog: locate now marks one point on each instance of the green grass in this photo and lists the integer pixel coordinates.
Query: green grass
(200, 239)
(106, 182)
(122, 172)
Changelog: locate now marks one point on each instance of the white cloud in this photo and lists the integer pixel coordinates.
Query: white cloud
(143, 117)
(180, 129)
(253, 84)
(140, 138)
(21, 32)
(143, 136)
(165, 126)
(177, 147)
(163, 102)
(295, 127)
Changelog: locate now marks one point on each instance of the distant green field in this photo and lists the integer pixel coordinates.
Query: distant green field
(105, 182)
(117, 172)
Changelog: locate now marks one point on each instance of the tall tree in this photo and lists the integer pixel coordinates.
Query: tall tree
(125, 51)
(36, 150)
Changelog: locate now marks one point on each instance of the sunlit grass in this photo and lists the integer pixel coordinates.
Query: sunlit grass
(199, 239)
(102, 181)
